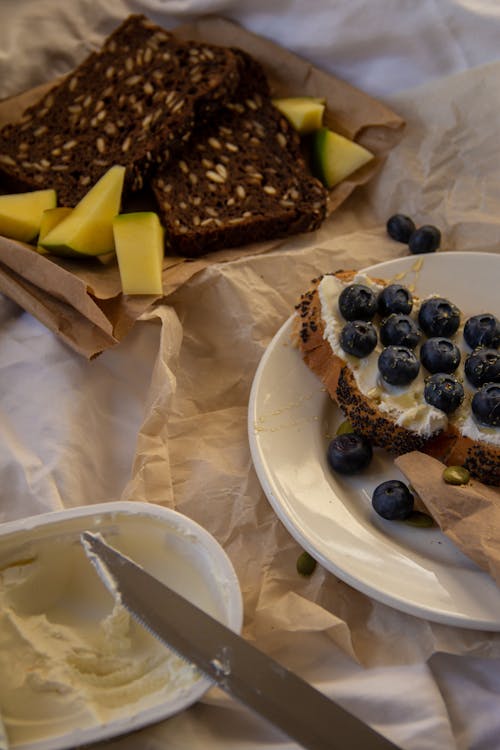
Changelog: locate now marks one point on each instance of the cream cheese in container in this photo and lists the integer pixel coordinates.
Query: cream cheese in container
(75, 667)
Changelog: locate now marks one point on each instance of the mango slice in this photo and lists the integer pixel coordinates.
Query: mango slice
(334, 157)
(88, 229)
(139, 250)
(50, 218)
(304, 113)
(21, 213)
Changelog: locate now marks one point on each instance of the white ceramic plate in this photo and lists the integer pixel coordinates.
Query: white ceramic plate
(124, 677)
(291, 420)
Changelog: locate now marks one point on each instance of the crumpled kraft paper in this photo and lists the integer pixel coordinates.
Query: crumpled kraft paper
(244, 303)
(193, 451)
(102, 315)
(193, 455)
(468, 514)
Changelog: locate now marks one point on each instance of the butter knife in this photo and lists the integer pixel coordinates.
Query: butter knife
(305, 714)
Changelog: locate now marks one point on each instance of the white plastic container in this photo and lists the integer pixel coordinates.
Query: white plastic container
(75, 668)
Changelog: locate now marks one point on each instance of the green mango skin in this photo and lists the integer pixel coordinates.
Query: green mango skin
(334, 157)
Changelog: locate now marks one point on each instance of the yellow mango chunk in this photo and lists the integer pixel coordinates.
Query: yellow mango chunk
(88, 230)
(21, 213)
(50, 218)
(139, 251)
(304, 113)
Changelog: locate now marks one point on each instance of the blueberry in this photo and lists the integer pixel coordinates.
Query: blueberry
(399, 330)
(426, 239)
(400, 227)
(349, 453)
(398, 365)
(358, 337)
(483, 366)
(443, 391)
(440, 355)
(439, 317)
(358, 302)
(395, 298)
(393, 500)
(486, 405)
(482, 330)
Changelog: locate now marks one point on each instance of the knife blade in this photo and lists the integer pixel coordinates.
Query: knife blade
(290, 703)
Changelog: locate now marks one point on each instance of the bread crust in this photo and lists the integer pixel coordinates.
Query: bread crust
(480, 458)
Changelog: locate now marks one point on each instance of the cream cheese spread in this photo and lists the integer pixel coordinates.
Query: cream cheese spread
(70, 654)
(405, 405)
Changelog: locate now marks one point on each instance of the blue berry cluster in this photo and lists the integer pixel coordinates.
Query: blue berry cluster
(431, 330)
(438, 320)
(482, 367)
(424, 239)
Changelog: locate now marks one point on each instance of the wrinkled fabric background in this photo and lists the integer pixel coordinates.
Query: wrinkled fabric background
(162, 417)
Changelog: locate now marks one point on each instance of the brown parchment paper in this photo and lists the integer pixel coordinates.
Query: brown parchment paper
(101, 314)
(468, 514)
(192, 450)
(193, 455)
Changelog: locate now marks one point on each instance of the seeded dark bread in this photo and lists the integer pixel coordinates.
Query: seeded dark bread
(449, 446)
(241, 178)
(308, 333)
(132, 103)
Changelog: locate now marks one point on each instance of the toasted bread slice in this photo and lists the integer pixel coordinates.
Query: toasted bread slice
(130, 103)
(397, 435)
(240, 178)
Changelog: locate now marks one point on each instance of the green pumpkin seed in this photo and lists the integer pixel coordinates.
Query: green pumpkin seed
(344, 428)
(419, 519)
(306, 564)
(456, 475)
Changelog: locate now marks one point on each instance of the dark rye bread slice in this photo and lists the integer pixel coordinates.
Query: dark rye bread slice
(482, 459)
(241, 178)
(130, 103)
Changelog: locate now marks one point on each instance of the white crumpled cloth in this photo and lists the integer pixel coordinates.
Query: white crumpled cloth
(69, 428)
